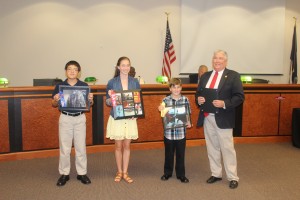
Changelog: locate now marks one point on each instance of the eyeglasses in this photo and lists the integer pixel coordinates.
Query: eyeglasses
(72, 69)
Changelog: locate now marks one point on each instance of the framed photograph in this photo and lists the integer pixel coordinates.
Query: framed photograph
(74, 98)
(176, 116)
(128, 104)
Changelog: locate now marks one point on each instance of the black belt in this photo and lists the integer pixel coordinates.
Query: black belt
(71, 114)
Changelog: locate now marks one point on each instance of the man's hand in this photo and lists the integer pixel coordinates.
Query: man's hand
(218, 103)
(201, 100)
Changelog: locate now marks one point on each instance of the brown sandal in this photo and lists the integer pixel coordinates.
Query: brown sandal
(118, 177)
(127, 178)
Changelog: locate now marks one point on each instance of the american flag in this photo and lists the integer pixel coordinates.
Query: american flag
(169, 54)
(293, 66)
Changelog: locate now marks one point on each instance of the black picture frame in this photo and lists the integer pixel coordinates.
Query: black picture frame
(128, 104)
(74, 98)
(176, 116)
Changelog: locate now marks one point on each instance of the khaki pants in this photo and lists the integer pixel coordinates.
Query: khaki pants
(219, 144)
(72, 128)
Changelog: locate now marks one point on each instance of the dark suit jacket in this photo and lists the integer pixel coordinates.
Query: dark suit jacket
(230, 90)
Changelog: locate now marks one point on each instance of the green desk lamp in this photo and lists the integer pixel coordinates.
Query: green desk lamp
(162, 79)
(246, 79)
(3, 82)
(90, 80)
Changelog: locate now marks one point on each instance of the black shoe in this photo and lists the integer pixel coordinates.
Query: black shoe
(63, 180)
(165, 177)
(84, 179)
(213, 179)
(183, 179)
(233, 184)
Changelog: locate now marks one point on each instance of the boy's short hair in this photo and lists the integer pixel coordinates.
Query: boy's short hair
(73, 62)
(174, 81)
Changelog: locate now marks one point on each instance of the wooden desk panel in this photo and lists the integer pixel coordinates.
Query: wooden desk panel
(260, 115)
(40, 124)
(151, 128)
(4, 131)
(263, 115)
(289, 102)
(106, 113)
(195, 132)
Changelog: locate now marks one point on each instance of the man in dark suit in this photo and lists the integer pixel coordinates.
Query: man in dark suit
(218, 126)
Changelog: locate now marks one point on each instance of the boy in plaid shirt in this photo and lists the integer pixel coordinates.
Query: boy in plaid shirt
(175, 138)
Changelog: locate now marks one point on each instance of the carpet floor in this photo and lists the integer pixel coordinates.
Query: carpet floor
(268, 171)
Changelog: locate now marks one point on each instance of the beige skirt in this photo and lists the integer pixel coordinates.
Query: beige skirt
(121, 129)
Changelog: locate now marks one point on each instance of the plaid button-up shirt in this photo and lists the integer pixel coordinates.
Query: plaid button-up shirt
(180, 132)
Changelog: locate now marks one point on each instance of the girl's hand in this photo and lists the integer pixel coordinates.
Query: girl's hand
(109, 92)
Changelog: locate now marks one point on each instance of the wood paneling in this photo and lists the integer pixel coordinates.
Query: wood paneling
(4, 131)
(150, 128)
(40, 124)
(289, 102)
(260, 115)
(106, 113)
(89, 127)
(263, 115)
(195, 132)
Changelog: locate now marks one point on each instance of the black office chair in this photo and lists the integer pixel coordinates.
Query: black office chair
(193, 78)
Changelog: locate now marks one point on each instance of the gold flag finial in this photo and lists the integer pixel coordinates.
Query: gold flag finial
(167, 13)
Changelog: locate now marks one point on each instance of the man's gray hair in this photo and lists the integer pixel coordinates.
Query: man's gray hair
(223, 52)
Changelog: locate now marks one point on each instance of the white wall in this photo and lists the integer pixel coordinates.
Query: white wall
(38, 37)
(240, 27)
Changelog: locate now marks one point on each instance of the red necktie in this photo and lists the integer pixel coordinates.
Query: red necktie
(212, 85)
(213, 81)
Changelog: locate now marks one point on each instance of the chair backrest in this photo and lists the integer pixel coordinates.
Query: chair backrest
(46, 82)
(193, 78)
